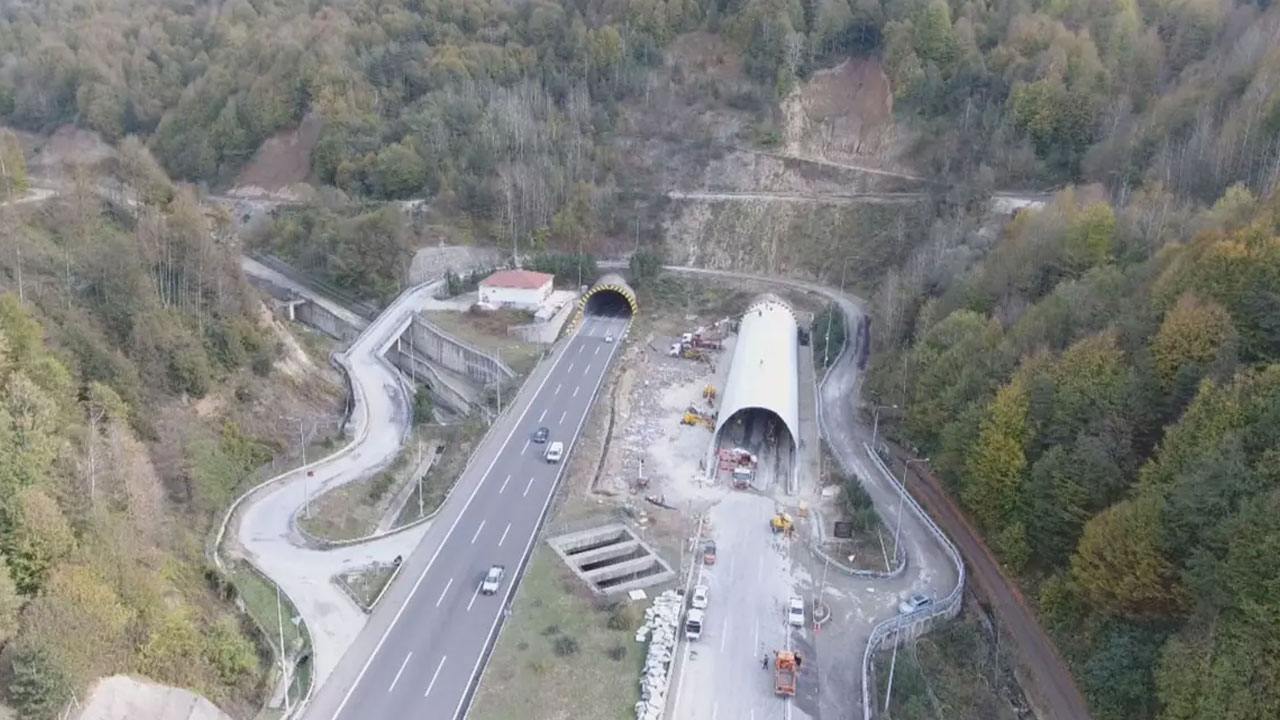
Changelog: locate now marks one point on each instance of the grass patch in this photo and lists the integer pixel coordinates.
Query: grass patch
(353, 510)
(460, 442)
(260, 602)
(487, 330)
(367, 584)
(863, 550)
(558, 644)
(953, 672)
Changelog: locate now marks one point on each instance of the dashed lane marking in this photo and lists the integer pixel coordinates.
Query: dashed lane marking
(526, 487)
(434, 675)
(504, 535)
(473, 537)
(504, 484)
(444, 592)
(399, 672)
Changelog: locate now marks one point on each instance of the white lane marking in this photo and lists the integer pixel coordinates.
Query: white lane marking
(444, 592)
(526, 487)
(396, 679)
(597, 352)
(587, 371)
(473, 537)
(566, 412)
(526, 447)
(504, 484)
(584, 347)
(434, 675)
(724, 633)
(474, 595)
(715, 710)
(759, 569)
(504, 534)
(418, 583)
(575, 390)
(570, 368)
(756, 636)
(528, 546)
(557, 392)
(543, 415)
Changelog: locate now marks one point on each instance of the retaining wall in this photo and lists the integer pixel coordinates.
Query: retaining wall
(428, 341)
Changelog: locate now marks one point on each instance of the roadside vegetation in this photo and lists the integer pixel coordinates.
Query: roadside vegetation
(559, 643)
(133, 365)
(1101, 394)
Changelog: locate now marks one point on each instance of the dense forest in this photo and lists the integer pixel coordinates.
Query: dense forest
(114, 325)
(1102, 393)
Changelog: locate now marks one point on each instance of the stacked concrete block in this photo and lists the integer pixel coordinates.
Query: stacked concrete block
(661, 626)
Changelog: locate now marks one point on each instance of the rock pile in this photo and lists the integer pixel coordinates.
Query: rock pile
(661, 623)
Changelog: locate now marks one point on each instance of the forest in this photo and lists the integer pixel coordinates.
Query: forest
(1102, 394)
(113, 327)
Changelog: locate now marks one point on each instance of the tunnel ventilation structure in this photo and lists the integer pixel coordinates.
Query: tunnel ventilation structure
(763, 385)
(611, 296)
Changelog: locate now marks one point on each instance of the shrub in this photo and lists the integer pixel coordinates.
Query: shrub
(565, 645)
(617, 652)
(624, 616)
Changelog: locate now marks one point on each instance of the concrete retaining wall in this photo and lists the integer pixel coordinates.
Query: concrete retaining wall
(430, 342)
(325, 321)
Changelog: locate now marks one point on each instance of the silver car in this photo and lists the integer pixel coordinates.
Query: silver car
(913, 603)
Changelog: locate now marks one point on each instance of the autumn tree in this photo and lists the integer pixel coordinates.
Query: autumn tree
(1120, 566)
(1193, 334)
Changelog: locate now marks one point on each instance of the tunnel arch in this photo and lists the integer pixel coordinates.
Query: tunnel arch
(764, 375)
(610, 296)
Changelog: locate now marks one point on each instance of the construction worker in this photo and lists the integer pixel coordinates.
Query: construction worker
(764, 663)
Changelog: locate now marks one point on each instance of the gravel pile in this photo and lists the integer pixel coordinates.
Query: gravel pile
(661, 622)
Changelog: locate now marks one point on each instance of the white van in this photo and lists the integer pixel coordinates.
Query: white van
(555, 451)
(693, 625)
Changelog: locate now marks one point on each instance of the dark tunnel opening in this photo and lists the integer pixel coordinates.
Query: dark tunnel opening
(608, 303)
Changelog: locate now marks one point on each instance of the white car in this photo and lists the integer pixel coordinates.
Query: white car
(913, 603)
(795, 612)
(608, 338)
(699, 599)
(693, 625)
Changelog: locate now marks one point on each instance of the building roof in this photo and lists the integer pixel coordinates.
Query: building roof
(765, 369)
(520, 279)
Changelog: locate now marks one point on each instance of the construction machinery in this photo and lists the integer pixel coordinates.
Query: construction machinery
(786, 666)
(688, 352)
(781, 523)
(709, 394)
(700, 338)
(693, 416)
(740, 465)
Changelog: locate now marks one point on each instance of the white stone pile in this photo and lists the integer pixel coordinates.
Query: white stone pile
(661, 623)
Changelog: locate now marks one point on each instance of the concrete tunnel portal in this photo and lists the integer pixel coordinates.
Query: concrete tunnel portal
(759, 409)
(611, 296)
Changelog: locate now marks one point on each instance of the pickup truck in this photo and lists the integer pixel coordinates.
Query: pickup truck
(492, 580)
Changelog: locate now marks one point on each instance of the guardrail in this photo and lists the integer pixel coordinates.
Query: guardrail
(949, 606)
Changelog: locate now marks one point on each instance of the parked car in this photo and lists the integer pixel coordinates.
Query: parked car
(709, 553)
(913, 603)
(541, 435)
(795, 612)
(693, 625)
(492, 580)
(699, 599)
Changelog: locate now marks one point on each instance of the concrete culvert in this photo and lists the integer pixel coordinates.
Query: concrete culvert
(611, 296)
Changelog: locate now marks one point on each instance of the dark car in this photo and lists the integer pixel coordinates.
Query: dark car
(541, 435)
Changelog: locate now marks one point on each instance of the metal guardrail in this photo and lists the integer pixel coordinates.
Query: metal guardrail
(949, 606)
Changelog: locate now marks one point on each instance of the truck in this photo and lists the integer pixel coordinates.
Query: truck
(785, 668)
(693, 624)
(492, 580)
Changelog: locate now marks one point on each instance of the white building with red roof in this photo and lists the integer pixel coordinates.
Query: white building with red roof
(522, 289)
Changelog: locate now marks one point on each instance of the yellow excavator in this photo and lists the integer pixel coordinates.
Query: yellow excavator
(781, 522)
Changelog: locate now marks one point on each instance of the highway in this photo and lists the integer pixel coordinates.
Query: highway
(427, 658)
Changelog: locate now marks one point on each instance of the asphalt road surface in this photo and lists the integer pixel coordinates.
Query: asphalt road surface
(425, 662)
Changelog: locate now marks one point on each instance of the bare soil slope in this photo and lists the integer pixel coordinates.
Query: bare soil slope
(282, 162)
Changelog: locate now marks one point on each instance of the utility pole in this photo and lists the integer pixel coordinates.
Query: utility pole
(417, 469)
(875, 425)
(826, 344)
(306, 486)
(284, 667)
(499, 382)
(902, 499)
(888, 691)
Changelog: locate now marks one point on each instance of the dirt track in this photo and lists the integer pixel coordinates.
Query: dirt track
(1051, 688)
